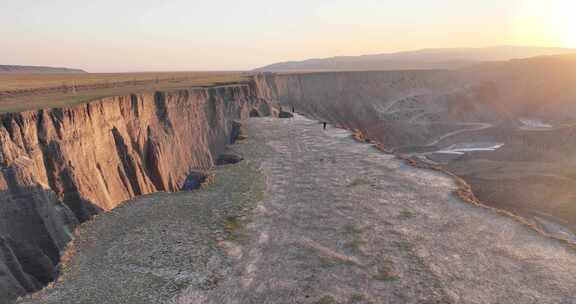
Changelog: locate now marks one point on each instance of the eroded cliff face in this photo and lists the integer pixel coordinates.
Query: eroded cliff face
(506, 128)
(397, 108)
(62, 166)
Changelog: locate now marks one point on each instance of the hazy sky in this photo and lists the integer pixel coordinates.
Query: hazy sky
(129, 35)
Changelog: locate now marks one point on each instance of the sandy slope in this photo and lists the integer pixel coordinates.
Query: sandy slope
(337, 222)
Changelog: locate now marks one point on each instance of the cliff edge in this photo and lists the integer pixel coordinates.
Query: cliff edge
(60, 167)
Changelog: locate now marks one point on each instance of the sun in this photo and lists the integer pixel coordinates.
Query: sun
(548, 22)
(563, 21)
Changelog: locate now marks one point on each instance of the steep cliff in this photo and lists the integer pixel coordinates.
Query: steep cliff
(62, 166)
(506, 128)
(397, 108)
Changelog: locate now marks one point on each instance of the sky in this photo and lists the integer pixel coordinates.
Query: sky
(171, 35)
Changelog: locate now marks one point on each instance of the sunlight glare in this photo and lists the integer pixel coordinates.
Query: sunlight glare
(550, 22)
(564, 22)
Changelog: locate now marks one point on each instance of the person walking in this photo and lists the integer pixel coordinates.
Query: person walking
(324, 125)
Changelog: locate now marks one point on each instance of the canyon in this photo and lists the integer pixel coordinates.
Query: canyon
(311, 216)
(62, 166)
(504, 130)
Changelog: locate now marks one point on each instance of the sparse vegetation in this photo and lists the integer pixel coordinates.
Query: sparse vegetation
(327, 261)
(20, 92)
(358, 182)
(385, 272)
(357, 298)
(406, 214)
(234, 228)
(356, 241)
(210, 283)
(210, 179)
(20, 82)
(352, 229)
(356, 244)
(359, 136)
(327, 300)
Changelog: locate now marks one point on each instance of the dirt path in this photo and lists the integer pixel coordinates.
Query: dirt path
(337, 222)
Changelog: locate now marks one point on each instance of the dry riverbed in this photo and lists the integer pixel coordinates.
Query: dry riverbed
(311, 216)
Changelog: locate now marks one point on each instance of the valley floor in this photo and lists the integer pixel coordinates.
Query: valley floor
(311, 216)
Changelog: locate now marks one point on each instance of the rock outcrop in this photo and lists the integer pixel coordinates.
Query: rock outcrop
(60, 167)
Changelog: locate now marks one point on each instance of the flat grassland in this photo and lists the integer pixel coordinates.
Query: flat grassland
(20, 92)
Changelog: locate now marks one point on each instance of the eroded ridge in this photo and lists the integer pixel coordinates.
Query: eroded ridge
(336, 222)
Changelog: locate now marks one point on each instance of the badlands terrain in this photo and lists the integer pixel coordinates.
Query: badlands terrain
(484, 215)
(311, 216)
(507, 128)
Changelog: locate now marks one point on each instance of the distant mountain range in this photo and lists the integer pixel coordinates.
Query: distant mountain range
(22, 69)
(446, 58)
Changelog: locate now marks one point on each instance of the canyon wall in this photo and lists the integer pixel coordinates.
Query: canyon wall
(397, 108)
(506, 128)
(62, 166)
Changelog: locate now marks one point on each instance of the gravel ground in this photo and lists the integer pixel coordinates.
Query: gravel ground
(310, 216)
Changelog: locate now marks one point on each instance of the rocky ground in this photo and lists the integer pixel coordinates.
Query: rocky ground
(310, 216)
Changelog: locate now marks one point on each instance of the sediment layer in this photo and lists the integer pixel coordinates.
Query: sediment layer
(60, 167)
